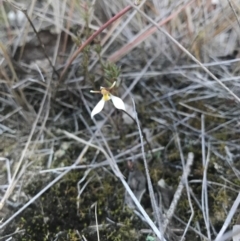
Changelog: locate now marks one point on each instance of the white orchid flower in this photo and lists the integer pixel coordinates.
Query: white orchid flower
(117, 102)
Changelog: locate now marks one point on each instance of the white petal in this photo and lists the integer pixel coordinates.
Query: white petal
(118, 103)
(98, 108)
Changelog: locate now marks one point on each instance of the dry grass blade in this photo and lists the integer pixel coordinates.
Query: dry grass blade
(53, 178)
(190, 55)
(228, 218)
(98, 237)
(143, 36)
(33, 199)
(205, 206)
(21, 159)
(113, 165)
(157, 212)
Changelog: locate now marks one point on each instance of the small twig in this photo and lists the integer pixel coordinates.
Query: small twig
(186, 168)
(179, 190)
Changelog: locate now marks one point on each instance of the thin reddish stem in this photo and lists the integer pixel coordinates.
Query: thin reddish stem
(90, 39)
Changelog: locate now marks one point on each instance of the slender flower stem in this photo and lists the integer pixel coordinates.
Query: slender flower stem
(90, 39)
(144, 136)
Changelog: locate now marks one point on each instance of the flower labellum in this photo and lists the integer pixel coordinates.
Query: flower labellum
(117, 102)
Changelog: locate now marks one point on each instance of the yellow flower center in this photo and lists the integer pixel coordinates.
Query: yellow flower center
(106, 94)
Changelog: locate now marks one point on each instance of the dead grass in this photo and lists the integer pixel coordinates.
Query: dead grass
(64, 176)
